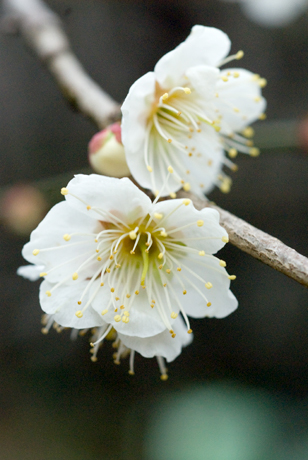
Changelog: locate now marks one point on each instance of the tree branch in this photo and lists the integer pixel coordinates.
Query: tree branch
(258, 244)
(42, 30)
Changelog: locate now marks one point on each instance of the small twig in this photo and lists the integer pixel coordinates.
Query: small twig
(43, 32)
(41, 28)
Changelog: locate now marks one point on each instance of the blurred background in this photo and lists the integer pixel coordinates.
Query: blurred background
(240, 391)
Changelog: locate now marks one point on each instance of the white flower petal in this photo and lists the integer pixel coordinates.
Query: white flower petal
(223, 302)
(206, 161)
(210, 232)
(143, 320)
(30, 272)
(162, 344)
(61, 220)
(204, 45)
(107, 194)
(63, 305)
(203, 80)
(240, 101)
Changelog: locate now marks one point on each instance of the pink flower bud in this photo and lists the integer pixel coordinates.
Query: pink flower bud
(106, 152)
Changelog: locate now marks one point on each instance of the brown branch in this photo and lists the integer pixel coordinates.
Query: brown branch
(259, 244)
(42, 30)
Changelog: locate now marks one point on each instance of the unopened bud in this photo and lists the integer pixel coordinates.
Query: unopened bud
(106, 152)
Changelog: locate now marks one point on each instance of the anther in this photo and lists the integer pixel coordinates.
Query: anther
(112, 289)
(79, 314)
(64, 191)
(126, 313)
(48, 293)
(186, 202)
(236, 74)
(208, 304)
(232, 277)
(189, 331)
(187, 90)
(170, 169)
(35, 252)
(184, 292)
(254, 152)
(149, 168)
(117, 318)
(66, 237)
(43, 274)
(173, 335)
(88, 207)
(248, 132)
(200, 223)
(179, 269)
(160, 255)
(79, 302)
(137, 292)
(99, 258)
(186, 186)
(160, 267)
(222, 263)
(174, 315)
(168, 271)
(239, 55)
(75, 276)
(169, 140)
(127, 296)
(208, 285)
(102, 284)
(173, 195)
(257, 99)
(93, 359)
(262, 116)
(164, 234)
(225, 239)
(224, 78)
(125, 319)
(201, 253)
(165, 96)
(133, 235)
(117, 298)
(262, 82)
(164, 377)
(232, 153)
(158, 215)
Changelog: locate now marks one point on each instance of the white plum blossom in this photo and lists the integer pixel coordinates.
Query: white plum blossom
(112, 258)
(273, 13)
(188, 112)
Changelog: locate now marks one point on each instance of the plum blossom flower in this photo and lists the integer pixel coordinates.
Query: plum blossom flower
(111, 256)
(273, 13)
(187, 112)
